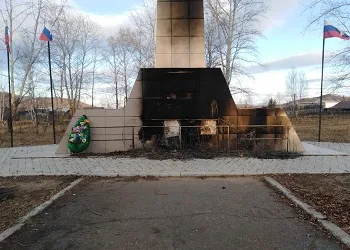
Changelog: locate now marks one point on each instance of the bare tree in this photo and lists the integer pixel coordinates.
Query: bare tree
(296, 87)
(76, 38)
(320, 10)
(237, 25)
(15, 14)
(33, 86)
(106, 101)
(296, 84)
(94, 73)
(211, 45)
(113, 64)
(24, 19)
(338, 12)
(247, 100)
(144, 24)
(128, 58)
(122, 58)
(280, 98)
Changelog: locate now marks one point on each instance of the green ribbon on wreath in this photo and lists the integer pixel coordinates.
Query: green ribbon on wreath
(79, 138)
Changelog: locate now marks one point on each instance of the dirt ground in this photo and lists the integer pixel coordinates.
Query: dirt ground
(24, 134)
(18, 195)
(189, 154)
(328, 194)
(335, 128)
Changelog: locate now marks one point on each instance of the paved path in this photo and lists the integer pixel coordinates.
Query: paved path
(340, 147)
(230, 213)
(40, 160)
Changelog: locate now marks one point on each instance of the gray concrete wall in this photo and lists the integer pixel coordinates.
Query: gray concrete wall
(180, 34)
(105, 138)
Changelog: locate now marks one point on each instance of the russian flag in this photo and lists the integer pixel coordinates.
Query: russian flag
(45, 35)
(331, 31)
(7, 39)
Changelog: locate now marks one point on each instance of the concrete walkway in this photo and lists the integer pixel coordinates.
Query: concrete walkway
(41, 160)
(339, 147)
(325, 149)
(229, 213)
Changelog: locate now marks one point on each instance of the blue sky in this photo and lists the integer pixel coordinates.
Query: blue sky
(289, 44)
(292, 38)
(106, 7)
(286, 43)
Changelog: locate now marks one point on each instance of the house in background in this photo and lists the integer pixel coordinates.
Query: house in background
(311, 105)
(315, 104)
(43, 104)
(343, 106)
(329, 104)
(39, 107)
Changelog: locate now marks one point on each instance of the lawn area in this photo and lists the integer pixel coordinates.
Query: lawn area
(25, 134)
(335, 128)
(328, 194)
(19, 195)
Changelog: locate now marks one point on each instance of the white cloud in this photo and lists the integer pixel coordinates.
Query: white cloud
(110, 20)
(297, 61)
(108, 23)
(278, 12)
(276, 15)
(268, 84)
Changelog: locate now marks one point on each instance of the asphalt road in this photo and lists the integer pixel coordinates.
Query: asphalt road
(229, 213)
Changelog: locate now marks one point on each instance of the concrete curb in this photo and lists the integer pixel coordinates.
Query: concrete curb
(330, 226)
(8, 232)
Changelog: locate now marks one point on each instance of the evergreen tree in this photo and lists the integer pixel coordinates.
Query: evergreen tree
(272, 104)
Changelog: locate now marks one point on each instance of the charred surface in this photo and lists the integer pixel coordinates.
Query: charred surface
(185, 94)
(193, 97)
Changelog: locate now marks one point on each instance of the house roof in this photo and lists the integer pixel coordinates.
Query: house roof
(43, 103)
(342, 105)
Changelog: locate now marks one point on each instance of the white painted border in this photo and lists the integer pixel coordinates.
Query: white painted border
(8, 232)
(330, 226)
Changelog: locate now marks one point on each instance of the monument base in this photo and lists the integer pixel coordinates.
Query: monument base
(188, 109)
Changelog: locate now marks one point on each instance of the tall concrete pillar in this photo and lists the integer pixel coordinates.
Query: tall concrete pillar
(180, 34)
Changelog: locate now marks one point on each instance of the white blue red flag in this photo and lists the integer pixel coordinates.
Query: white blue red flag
(331, 31)
(7, 39)
(45, 35)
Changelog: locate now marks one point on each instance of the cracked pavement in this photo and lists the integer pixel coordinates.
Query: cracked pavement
(172, 213)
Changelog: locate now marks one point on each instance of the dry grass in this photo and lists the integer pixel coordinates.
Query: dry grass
(328, 194)
(19, 195)
(335, 128)
(25, 134)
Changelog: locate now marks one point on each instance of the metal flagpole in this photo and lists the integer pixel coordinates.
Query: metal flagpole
(10, 104)
(321, 97)
(52, 107)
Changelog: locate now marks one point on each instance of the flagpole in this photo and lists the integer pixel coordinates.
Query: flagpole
(52, 107)
(321, 97)
(10, 104)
